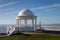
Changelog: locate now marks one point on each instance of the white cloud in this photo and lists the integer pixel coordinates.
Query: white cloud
(12, 12)
(8, 13)
(49, 6)
(6, 10)
(7, 4)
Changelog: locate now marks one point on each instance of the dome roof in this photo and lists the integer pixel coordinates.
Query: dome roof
(26, 12)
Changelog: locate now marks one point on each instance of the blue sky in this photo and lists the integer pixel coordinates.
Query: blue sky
(47, 11)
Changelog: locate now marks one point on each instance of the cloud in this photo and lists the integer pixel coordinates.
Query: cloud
(8, 13)
(49, 6)
(7, 4)
(6, 10)
(12, 12)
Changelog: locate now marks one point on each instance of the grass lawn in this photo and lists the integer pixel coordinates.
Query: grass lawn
(32, 37)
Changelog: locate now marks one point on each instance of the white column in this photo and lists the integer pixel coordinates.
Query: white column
(25, 22)
(32, 22)
(35, 25)
(17, 23)
(20, 23)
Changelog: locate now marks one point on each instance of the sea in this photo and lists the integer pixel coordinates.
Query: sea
(46, 27)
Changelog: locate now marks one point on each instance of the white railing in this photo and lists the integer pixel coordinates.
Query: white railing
(10, 32)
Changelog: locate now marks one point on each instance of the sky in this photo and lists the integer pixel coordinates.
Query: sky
(47, 11)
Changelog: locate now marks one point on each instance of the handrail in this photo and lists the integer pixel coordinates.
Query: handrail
(9, 33)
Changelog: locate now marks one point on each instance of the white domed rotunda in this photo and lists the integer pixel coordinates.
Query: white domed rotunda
(25, 15)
